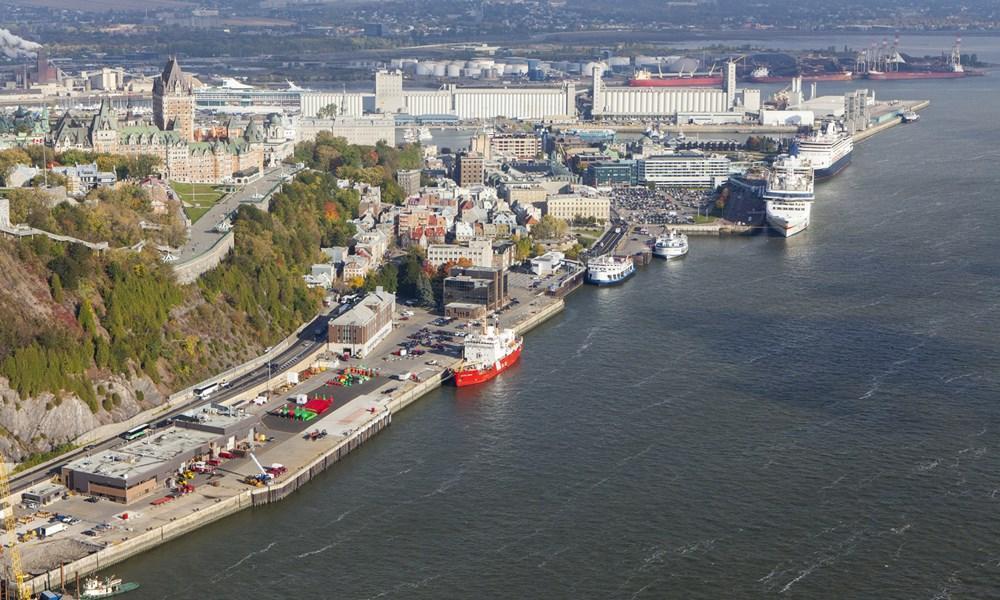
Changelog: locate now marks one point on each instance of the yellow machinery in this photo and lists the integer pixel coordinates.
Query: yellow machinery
(10, 524)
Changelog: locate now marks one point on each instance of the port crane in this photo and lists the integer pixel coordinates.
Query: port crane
(10, 526)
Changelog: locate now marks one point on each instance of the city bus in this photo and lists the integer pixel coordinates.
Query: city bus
(204, 392)
(136, 432)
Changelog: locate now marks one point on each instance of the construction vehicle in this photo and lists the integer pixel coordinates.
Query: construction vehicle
(263, 478)
(10, 525)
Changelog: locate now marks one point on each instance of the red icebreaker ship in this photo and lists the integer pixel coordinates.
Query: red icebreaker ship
(488, 354)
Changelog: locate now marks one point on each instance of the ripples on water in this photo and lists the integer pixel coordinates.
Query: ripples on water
(805, 418)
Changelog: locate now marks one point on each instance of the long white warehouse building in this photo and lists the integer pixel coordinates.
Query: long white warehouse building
(348, 104)
(464, 103)
(669, 102)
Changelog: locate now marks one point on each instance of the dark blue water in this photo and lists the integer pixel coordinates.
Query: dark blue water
(816, 417)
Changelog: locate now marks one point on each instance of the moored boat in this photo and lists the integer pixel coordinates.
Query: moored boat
(644, 78)
(487, 354)
(828, 149)
(96, 587)
(672, 245)
(609, 270)
(789, 193)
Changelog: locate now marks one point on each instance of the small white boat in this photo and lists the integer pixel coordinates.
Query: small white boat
(97, 587)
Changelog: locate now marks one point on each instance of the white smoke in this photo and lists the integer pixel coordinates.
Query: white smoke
(16, 47)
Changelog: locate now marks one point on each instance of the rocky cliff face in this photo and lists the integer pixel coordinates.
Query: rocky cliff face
(204, 338)
(39, 424)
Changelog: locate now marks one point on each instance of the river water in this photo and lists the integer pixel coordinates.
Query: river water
(807, 418)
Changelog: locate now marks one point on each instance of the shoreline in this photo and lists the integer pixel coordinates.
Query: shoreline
(115, 553)
(211, 509)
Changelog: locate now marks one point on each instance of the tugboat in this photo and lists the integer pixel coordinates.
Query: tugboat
(487, 354)
(96, 587)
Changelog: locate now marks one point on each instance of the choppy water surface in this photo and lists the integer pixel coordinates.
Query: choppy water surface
(806, 418)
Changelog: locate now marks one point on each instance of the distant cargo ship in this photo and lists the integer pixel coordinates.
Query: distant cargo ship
(886, 66)
(646, 79)
(910, 75)
(487, 354)
(763, 75)
(609, 270)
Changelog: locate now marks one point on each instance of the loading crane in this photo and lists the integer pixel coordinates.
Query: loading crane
(10, 525)
(264, 478)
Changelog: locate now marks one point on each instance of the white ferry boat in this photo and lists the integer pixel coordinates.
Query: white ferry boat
(829, 149)
(609, 270)
(424, 134)
(673, 245)
(789, 193)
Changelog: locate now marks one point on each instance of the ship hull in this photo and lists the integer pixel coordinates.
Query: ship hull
(835, 168)
(610, 282)
(910, 75)
(806, 78)
(784, 224)
(467, 377)
(676, 82)
(670, 253)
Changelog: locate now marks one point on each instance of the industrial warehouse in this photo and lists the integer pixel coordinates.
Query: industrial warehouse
(139, 468)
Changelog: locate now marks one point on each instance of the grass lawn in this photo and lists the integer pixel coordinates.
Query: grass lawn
(198, 198)
(703, 220)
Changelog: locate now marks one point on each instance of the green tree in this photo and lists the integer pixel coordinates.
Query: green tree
(9, 159)
(55, 284)
(549, 228)
(327, 112)
(522, 248)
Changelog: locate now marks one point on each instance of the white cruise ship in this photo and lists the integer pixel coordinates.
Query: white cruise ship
(673, 245)
(829, 149)
(609, 270)
(789, 194)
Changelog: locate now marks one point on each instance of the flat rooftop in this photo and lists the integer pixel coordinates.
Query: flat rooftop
(140, 456)
(219, 419)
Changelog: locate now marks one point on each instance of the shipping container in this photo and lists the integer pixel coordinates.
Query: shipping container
(51, 529)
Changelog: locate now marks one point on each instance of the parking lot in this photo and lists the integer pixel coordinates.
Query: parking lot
(662, 206)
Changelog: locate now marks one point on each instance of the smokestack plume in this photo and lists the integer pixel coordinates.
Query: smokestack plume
(13, 46)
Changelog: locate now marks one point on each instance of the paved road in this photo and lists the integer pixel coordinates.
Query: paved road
(610, 239)
(203, 236)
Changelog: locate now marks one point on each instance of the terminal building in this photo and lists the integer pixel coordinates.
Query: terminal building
(612, 173)
(360, 329)
(136, 470)
(684, 169)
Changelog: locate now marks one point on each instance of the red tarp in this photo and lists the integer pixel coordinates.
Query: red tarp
(318, 405)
